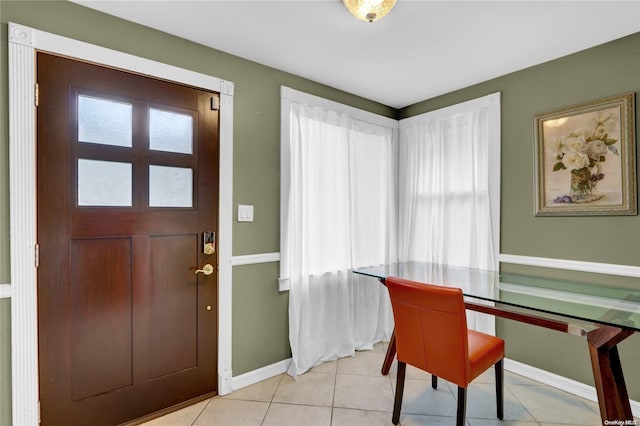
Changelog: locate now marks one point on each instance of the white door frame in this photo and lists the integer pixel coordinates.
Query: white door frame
(24, 42)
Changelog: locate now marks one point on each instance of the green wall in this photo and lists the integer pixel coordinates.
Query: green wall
(596, 73)
(259, 310)
(260, 318)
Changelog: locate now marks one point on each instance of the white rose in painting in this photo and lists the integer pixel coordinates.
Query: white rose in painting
(575, 160)
(556, 147)
(596, 149)
(575, 144)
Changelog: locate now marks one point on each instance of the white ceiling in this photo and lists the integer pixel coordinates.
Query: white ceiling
(422, 49)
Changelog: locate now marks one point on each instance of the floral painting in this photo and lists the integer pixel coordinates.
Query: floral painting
(586, 159)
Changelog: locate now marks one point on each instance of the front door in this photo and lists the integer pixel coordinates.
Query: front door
(127, 192)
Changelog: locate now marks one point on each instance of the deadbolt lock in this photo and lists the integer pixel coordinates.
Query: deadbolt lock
(209, 242)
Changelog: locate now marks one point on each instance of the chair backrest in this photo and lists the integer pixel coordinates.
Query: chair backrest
(431, 328)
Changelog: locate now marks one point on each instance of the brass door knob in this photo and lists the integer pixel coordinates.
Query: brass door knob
(206, 269)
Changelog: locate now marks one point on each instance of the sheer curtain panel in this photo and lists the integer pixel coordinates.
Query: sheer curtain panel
(338, 210)
(449, 188)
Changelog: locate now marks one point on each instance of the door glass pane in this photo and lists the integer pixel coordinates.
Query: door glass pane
(104, 183)
(170, 187)
(170, 131)
(104, 121)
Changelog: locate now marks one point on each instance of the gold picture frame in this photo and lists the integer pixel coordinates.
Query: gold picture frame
(585, 159)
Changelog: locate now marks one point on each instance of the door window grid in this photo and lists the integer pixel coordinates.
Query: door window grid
(101, 183)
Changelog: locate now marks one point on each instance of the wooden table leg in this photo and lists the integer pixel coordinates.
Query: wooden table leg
(391, 353)
(607, 372)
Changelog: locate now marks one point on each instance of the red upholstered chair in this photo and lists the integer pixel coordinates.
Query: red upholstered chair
(432, 335)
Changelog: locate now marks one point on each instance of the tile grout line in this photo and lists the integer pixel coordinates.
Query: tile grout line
(273, 395)
(508, 386)
(201, 411)
(335, 385)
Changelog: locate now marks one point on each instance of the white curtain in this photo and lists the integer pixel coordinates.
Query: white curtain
(338, 213)
(449, 188)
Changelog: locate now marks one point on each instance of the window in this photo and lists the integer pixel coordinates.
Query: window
(351, 198)
(450, 185)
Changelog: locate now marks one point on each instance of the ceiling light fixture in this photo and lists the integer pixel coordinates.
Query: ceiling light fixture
(369, 10)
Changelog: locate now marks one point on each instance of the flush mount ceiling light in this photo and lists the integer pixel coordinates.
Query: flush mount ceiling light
(369, 10)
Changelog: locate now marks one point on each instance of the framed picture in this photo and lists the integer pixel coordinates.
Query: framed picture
(585, 159)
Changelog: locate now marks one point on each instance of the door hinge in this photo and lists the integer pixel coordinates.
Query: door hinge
(37, 95)
(37, 255)
(215, 103)
(39, 414)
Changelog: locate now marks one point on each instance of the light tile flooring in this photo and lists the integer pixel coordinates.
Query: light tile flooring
(352, 392)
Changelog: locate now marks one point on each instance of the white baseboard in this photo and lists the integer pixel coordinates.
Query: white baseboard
(260, 374)
(568, 385)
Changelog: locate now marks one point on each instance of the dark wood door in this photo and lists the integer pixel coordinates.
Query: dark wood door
(127, 185)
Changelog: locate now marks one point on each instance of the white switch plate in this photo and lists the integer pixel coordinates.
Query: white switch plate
(245, 213)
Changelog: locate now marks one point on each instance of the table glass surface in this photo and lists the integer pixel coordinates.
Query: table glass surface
(584, 302)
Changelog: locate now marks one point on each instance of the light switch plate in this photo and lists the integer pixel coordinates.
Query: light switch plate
(245, 213)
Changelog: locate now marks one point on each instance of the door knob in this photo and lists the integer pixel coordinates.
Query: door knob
(206, 269)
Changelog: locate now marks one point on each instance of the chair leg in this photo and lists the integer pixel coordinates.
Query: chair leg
(462, 406)
(402, 368)
(434, 381)
(500, 388)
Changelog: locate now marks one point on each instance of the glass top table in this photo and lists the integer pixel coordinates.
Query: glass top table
(605, 315)
(577, 302)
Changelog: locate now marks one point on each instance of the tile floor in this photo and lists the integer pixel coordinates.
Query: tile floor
(352, 392)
